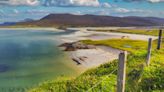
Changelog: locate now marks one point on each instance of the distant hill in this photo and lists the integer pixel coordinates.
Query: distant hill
(8, 24)
(94, 20)
(14, 23)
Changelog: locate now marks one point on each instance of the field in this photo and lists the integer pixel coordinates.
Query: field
(140, 78)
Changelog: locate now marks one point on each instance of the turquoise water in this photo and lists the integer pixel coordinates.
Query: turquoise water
(29, 57)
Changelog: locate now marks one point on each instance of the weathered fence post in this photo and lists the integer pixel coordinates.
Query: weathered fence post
(149, 52)
(121, 76)
(159, 40)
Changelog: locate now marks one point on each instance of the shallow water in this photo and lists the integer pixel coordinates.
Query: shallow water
(29, 57)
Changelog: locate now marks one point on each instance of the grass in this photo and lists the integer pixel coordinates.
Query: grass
(153, 32)
(84, 82)
(139, 77)
(132, 46)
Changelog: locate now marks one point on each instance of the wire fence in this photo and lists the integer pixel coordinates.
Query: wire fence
(90, 90)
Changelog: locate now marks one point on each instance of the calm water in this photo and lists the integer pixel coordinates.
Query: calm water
(29, 57)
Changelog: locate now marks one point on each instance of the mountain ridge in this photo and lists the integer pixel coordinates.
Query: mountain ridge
(94, 20)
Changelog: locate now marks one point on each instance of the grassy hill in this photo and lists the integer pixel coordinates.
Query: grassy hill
(103, 79)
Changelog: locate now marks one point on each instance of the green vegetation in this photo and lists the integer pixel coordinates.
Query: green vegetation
(103, 79)
(84, 82)
(132, 46)
(139, 77)
(134, 31)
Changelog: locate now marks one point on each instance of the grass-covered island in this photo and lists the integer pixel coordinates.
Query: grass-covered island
(140, 78)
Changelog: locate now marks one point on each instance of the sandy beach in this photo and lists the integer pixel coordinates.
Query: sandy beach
(83, 34)
(94, 57)
(89, 58)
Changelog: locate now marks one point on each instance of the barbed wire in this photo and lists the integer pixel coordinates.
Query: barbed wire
(101, 81)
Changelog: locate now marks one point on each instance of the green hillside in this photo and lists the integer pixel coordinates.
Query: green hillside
(103, 79)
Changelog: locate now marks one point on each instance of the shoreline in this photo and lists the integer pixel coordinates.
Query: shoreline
(83, 34)
(90, 58)
(93, 57)
(35, 28)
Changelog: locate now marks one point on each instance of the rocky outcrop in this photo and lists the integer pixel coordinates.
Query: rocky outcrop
(76, 45)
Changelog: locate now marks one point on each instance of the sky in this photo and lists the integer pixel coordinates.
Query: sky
(18, 10)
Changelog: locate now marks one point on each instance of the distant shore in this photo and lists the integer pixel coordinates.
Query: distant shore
(33, 28)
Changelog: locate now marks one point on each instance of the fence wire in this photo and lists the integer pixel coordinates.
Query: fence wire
(101, 81)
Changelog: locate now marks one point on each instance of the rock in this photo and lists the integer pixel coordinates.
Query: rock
(70, 48)
(76, 60)
(76, 45)
(83, 58)
(125, 37)
(63, 45)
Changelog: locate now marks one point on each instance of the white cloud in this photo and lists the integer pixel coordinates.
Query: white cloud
(97, 12)
(72, 2)
(77, 13)
(102, 12)
(34, 12)
(122, 10)
(155, 1)
(151, 1)
(60, 3)
(92, 3)
(20, 2)
(106, 5)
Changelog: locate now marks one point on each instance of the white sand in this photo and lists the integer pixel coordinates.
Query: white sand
(112, 35)
(83, 34)
(95, 57)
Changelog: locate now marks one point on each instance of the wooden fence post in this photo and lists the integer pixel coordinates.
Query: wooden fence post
(149, 52)
(121, 76)
(159, 39)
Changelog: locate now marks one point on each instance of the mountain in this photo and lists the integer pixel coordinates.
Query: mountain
(14, 23)
(8, 24)
(94, 20)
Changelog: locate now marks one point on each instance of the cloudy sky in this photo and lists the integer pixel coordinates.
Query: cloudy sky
(17, 10)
